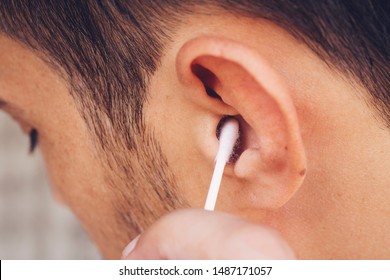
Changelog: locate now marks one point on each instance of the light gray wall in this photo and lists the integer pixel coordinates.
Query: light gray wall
(32, 224)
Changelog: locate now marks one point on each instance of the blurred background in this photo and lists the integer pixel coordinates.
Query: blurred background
(32, 224)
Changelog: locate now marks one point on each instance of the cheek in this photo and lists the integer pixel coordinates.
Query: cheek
(73, 173)
(77, 176)
(69, 158)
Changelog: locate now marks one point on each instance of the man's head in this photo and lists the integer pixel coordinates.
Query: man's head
(126, 97)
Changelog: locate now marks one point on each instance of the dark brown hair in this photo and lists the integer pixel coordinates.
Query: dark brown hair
(108, 49)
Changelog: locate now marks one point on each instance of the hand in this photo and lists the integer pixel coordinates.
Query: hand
(200, 234)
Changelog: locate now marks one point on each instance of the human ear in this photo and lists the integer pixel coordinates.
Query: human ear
(224, 77)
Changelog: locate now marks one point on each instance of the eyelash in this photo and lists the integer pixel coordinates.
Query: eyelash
(33, 139)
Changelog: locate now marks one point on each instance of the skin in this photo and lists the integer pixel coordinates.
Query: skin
(326, 195)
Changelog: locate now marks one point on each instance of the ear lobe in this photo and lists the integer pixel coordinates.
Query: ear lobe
(271, 163)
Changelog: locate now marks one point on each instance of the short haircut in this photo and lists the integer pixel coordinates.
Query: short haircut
(109, 49)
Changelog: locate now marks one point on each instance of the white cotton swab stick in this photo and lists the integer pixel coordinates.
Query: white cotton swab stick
(227, 139)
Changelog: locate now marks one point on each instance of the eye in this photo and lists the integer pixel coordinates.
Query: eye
(33, 139)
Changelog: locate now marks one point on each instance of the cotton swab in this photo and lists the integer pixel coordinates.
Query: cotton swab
(227, 139)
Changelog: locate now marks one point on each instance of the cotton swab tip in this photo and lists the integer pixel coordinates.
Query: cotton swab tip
(227, 139)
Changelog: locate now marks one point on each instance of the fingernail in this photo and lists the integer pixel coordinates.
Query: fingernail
(130, 247)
